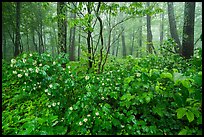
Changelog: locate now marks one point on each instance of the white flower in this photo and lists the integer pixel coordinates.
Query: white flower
(53, 104)
(80, 123)
(69, 71)
(102, 84)
(138, 74)
(34, 88)
(24, 82)
(85, 120)
(63, 69)
(97, 78)
(68, 67)
(102, 98)
(49, 106)
(19, 75)
(48, 93)
(86, 77)
(30, 69)
(30, 54)
(107, 79)
(37, 70)
(70, 108)
(119, 78)
(11, 65)
(46, 90)
(13, 61)
(58, 103)
(122, 126)
(40, 65)
(97, 113)
(24, 60)
(14, 72)
(38, 83)
(50, 86)
(54, 63)
(23, 89)
(39, 86)
(26, 74)
(88, 115)
(48, 55)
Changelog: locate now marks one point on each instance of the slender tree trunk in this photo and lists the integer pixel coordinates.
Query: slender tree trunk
(188, 30)
(123, 43)
(140, 36)
(132, 47)
(62, 27)
(17, 40)
(173, 28)
(114, 45)
(149, 33)
(79, 44)
(161, 28)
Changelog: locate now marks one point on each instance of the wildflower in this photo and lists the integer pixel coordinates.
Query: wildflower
(54, 63)
(70, 108)
(85, 120)
(30, 55)
(80, 123)
(119, 78)
(13, 61)
(26, 74)
(23, 89)
(50, 86)
(30, 69)
(14, 72)
(39, 86)
(40, 65)
(46, 90)
(68, 67)
(48, 93)
(88, 115)
(138, 74)
(19, 75)
(24, 82)
(58, 103)
(97, 78)
(63, 69)
(34, 88)
(24, 60)
(102, 98)
(53, 104)
(122, 126)
(87, 77)
(107, 79)
(11, 65)
(49, 106)
(102, 84)
(97, 113)
(69, 71)
(37, 70)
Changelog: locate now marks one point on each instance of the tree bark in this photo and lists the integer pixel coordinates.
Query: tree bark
(17, 40)
(123, 43)
(173, 28)
(188, 30)
(149, 33)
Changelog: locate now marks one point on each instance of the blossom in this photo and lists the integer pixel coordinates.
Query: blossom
(86, 77)
(97, 113)
(37, 70)
(26, 74)
(68, 67)
(48, 93)
(24, 60)
(30, 69)
(138, 74)
(80, 123)
(107, 79)
(50, 86)
(53, 104)
(102, 84)
(97, 78)
(40, 64)
(102, 98)
(30, 54)
(88, 115)
(14, 72)
(119, 78)
(39, 86)
(49, 106)
(69, 71)
(70, 108)
(11, 65)
(24, 82)
(122, 126)
(23, 89)
(19, 75)
(13, 61)
(85, 120)
(54, 63)
(46, 90)
(58, 103)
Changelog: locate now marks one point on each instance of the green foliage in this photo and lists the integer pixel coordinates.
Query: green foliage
(143, 96)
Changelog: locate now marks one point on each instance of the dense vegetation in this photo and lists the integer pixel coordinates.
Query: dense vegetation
(140, 96)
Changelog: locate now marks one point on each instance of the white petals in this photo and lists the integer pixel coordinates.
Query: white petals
(19, 75)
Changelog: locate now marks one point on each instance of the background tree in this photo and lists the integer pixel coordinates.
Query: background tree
(188, 30)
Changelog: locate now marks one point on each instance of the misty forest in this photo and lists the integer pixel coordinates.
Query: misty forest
(102, 68)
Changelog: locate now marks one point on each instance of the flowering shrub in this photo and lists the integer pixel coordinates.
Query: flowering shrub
(151, 95)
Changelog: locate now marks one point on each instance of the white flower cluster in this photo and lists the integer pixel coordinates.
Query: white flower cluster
(13, 61)
(86, 77)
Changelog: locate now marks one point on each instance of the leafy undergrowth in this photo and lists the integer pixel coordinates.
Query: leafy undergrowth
(144, 96)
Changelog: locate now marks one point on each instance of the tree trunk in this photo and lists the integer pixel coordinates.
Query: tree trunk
(132, 47)
(123, 43)
(188, 30)
(149, 33)
(17, 40)
(62, 27)
(79, 44)
(72, 39)
(161, 28)
(173, 28)
(140, 37)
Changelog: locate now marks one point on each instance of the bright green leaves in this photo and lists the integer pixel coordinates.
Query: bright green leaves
(181, 112)
(184, 111)
(190, 116)
(166, 75)
(127, 97)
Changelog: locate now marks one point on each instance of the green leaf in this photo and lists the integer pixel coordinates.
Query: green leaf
(183, 132)
(190, 116)
(180, 112)
(166, 75)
